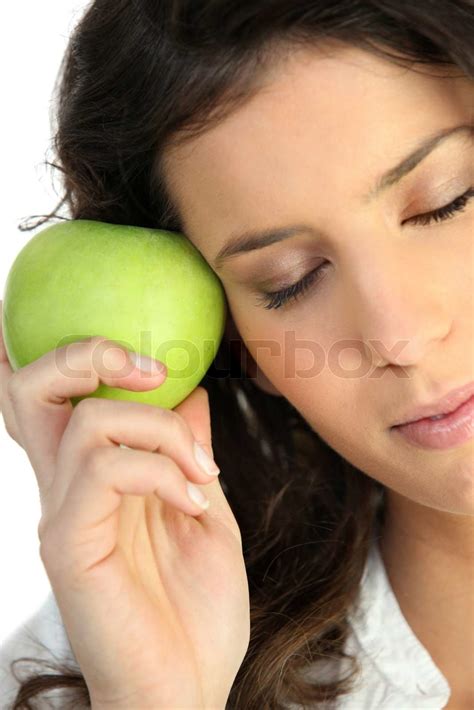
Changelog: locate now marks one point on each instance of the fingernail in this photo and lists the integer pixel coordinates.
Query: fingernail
(147, 364)
(196, 495)
(208, 465)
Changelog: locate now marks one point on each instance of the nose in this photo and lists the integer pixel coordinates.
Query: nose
(398, 309)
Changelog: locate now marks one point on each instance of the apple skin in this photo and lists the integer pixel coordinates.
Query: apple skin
(146, 289)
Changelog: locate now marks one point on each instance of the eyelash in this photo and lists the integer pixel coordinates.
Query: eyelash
(277, 299)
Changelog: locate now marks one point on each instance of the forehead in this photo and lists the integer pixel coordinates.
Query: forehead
(322, 125)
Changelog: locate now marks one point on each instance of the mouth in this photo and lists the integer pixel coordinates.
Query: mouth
(441, 409)
(451, 427)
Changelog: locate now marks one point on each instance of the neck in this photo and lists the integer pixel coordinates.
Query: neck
(429, 559)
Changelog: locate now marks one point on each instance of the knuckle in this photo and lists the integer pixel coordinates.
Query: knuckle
(87, 348)
(15, 387)
(164, 416)
(98, 347)
(51, 552)
(47, 541)
(168, 471)
(84, 412)
(12, 431)
(174, 422)
(168, 465)
(41, 529)
(98, 461)
(92, 342)
(42, 551)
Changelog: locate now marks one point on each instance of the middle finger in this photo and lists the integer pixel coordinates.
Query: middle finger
(101, 422)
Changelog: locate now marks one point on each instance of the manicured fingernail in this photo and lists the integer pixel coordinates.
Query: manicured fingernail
(207, 464)
(147, 364)
(197, 496)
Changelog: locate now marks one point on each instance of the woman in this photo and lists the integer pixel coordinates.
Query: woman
(347, 127)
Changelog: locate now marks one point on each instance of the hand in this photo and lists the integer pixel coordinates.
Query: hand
(152, 589)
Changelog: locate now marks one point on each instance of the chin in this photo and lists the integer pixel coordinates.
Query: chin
(460, 489)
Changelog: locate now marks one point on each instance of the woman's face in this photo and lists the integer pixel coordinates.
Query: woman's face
(386, 325)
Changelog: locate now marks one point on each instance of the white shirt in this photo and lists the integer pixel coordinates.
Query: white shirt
(397, 671)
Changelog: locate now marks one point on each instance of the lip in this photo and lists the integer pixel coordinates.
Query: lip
(447, 404)
(452, 430)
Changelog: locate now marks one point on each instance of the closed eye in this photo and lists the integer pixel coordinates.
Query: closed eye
(443, 213)
(277, 299)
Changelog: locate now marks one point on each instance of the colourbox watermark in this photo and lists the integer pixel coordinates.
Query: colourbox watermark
(346, 358)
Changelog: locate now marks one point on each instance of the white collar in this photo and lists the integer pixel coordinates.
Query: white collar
(385, 636)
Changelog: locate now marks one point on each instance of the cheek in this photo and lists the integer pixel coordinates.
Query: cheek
(291, 358)
(329, 405)
(332, 411)
(294, 351)
(465, 281)
(457, 257)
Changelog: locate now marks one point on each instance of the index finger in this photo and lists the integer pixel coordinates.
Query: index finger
(3, 350)
(41, 393)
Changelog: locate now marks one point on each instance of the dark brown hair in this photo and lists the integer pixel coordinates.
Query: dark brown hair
(137, 76)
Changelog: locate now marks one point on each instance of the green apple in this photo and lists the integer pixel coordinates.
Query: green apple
(150, 290)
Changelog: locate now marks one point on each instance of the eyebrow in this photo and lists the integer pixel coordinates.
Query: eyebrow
(252, 240)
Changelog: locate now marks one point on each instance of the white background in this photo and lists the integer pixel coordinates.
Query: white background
(33, 37)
